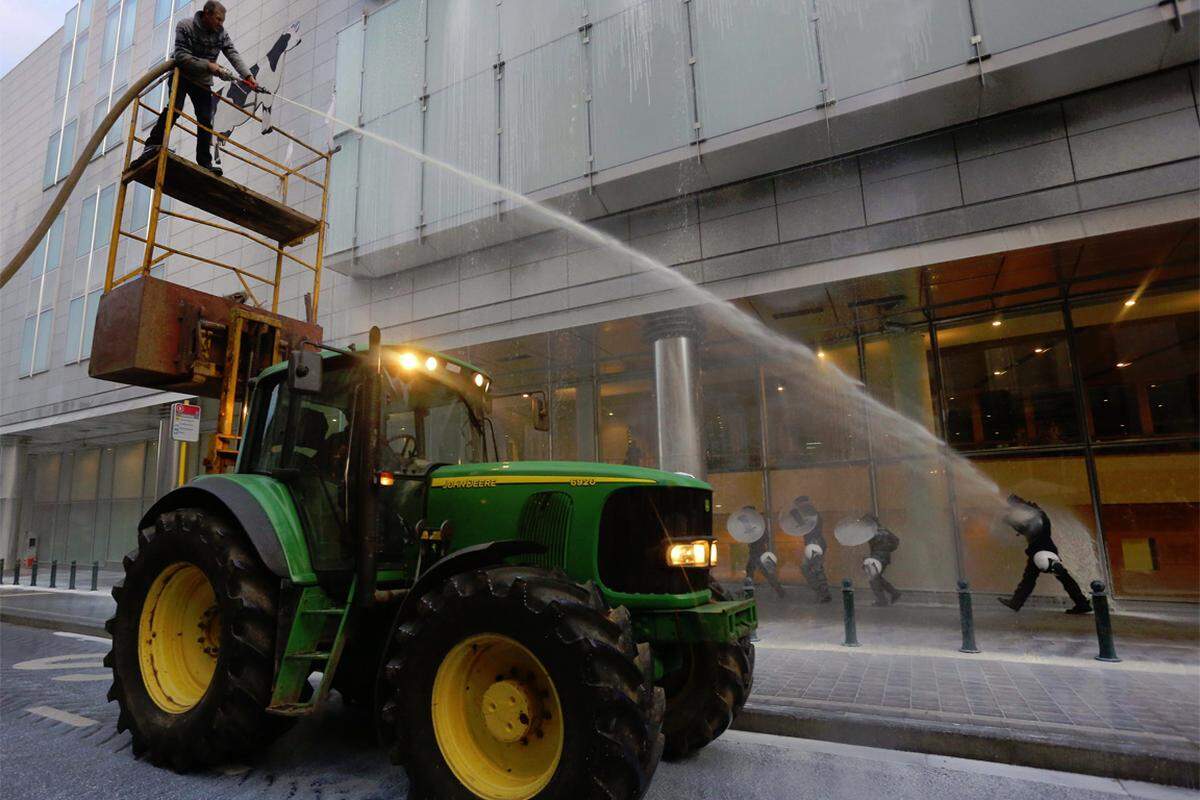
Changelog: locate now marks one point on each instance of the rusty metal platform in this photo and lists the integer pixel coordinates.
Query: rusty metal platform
(161, 335)
(188, 183)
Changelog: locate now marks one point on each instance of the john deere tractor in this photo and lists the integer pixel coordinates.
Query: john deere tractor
(515, 629)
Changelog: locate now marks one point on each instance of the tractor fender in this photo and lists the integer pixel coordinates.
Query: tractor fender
(236, 501)
(467, 559)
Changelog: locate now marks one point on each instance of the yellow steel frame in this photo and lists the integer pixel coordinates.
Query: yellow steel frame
(154, 251)
(245, 321)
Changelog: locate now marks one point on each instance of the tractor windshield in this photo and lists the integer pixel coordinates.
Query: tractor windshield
(427, 421)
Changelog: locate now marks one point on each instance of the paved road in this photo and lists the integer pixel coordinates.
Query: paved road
(58, 740)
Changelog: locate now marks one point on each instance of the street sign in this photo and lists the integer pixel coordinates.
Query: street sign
(185, 422)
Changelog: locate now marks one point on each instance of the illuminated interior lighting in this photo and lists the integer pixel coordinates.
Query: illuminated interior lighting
(408, 360)
(1000, 372)
(779, 388)
(1131, 301)
(820, 354)
(1039, 350)
(1122, 364)
(525, 395)
(996, 323)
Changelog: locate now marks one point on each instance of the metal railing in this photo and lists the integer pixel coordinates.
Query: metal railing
(244, 153)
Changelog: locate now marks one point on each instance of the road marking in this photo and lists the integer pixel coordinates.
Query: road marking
(83, 637)
(81, 677)
(74, 661)
(59, 715)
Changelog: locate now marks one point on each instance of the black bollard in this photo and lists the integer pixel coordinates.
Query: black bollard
(848, 609)
(33, 573)
(17, 572)
(95, 574)
(1108, 651)
(71, 579)
(966, 619)
(54, 574)
(1, 570)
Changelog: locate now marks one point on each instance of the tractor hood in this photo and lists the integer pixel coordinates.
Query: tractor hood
(571, 473)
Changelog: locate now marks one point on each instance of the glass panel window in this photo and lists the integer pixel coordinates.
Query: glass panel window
(41, 348)
(104, 216)
(80, 62)
(180, 5)
(1140, 361)
(139, 212)
(87, 219)
(804, 430)
(74, 329)
(731, 409)
(64, 72)
(27, 333)
(50, 169)
(108, 46)
(1150, 505)
(116, 134)
(89, 323)
(1008, 382)
(628, 422)
(162, 10)
(85, 14)
(128, 21)
(54, 244)
(66, 159)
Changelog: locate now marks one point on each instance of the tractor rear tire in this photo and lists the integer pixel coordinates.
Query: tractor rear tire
(705, 696)
(522, 639)
(192, 702)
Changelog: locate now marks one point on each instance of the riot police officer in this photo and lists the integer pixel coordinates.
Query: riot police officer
(802, 519)
(1029, 520)
(880, 546)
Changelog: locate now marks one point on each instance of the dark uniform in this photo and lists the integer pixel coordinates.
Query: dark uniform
(814, 568)
(758, 548)
(881, 547)
(195, 47)
(1036, 530)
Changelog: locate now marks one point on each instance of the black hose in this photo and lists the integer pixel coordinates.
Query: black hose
(85, 157)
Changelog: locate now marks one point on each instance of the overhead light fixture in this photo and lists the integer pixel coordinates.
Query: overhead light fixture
(820, 353)
(1039, 350)
(1000, 372)
(1131, 301)
(1123, 364)
(779, 388)
(996, 323)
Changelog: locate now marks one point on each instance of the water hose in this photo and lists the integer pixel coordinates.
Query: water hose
(85, 157)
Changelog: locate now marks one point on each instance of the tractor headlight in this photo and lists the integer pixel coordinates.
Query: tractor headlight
(700, 553)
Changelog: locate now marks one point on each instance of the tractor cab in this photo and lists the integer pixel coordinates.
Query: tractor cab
(431, 412)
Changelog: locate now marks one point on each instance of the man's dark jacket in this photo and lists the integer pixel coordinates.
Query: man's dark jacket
(196, 45)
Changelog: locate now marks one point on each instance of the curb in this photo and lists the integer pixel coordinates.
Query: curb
(1041, 750)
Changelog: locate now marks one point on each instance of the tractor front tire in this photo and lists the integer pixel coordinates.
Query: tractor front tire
(193, 643)
(517, 682)
(707, 693)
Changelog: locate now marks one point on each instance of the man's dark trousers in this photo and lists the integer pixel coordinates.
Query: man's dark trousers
(204, 102)
(1029, 579)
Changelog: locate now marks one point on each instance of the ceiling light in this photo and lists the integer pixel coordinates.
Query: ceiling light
(1122, 364)
(996, 323)
(820, 353)
(999, 372)
(1039, 350)
(1131, 301)
(779, 388)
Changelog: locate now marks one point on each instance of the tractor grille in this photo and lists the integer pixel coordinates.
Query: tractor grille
(545, 519)
(634, 530)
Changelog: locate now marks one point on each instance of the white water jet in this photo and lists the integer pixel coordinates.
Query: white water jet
(900, 441)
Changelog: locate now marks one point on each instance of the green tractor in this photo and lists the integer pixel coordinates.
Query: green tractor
(515, 629)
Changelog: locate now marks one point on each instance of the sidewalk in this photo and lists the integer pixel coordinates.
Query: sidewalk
(1035, 696)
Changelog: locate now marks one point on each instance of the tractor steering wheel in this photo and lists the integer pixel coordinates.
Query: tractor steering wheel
(408, 449)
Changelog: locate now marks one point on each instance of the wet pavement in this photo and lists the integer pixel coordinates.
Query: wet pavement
(58, 740)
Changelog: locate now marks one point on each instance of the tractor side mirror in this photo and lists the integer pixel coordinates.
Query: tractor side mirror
(304, 372)
(539, 412)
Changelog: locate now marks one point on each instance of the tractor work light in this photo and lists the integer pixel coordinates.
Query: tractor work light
(479, 380)
(408, 360)
(431, 364)
(700, 553)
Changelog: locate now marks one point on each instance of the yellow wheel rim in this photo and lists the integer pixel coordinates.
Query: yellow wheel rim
(497, 718)
(179, 638)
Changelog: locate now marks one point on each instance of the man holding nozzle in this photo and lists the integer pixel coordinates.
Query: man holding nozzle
(1029, 520)
(198, 42)
(880, 547)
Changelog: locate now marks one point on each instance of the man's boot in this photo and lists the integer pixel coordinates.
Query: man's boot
(1007, 603)
(1080, 608)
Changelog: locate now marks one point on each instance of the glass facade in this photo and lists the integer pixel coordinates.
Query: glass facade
(1082, 397)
